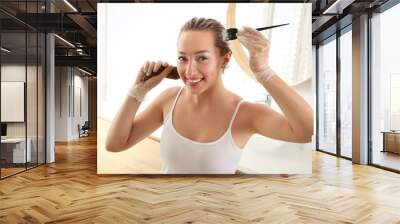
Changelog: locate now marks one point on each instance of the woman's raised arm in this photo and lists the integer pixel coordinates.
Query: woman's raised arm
(297, 123)
(126, 128)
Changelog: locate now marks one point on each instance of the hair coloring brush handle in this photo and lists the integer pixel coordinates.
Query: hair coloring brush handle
(270, 27)
(172, 75)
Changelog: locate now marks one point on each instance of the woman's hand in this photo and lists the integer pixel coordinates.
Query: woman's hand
(258, 47)
(140, 88)
(148, 68)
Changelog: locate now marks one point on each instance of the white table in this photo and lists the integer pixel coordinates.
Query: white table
(18, 150)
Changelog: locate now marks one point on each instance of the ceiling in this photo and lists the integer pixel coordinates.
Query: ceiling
(76, 22)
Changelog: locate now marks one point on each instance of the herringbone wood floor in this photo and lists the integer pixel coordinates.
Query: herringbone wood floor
(70, 191)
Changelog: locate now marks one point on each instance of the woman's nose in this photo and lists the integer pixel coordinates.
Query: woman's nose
(191, 69)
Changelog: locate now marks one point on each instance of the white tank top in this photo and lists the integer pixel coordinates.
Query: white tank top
(181, 155)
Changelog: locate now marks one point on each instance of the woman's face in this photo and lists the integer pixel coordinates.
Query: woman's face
(199, 62)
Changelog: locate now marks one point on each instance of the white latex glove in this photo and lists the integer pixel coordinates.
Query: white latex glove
(258, 47)
(140, 88)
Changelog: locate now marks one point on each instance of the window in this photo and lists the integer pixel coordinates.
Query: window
(385, 89)
(327, 95)
(22, 65)
(346, 93)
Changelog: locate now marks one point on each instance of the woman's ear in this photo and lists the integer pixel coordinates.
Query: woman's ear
(227, 58)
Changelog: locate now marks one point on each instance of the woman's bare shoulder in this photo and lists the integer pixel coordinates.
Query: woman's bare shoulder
(167, 97)
(169, 93)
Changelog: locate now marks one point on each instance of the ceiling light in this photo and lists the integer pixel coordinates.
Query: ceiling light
(70, 5)
(5, 49)
(84, 71)
(64, 40)
(337, 7)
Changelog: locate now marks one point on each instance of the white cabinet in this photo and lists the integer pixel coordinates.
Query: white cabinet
(17, 146)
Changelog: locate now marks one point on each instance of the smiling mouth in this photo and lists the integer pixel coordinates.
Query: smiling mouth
(195, 80)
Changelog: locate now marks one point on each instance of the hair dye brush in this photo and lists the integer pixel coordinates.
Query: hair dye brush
(172, 75)
(230, 34)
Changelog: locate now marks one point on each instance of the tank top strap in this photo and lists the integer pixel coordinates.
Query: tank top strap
(234, 114)
(176, 99)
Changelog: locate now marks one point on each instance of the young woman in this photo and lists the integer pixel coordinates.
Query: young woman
(207, 126)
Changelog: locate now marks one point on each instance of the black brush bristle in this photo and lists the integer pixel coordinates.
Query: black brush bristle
(229, 34)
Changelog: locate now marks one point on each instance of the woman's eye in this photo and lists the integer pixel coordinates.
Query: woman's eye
(180, 59)
(201, 58)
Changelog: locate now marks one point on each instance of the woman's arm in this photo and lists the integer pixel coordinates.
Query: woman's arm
(126, 128)
(136, 127)
(122, 125)
(297, 123)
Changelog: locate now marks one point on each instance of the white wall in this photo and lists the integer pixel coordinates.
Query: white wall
(12, 73)
(61, 103)
(68, 82)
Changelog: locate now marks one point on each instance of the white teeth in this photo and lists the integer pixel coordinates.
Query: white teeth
(194, 81)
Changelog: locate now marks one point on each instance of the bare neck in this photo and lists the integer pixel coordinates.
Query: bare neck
(212, 96)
